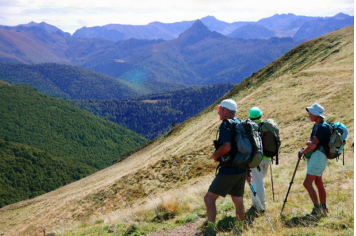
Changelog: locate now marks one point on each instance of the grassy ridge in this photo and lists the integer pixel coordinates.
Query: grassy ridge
(316, 71)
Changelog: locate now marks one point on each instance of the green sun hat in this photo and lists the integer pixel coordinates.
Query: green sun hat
(255, 112)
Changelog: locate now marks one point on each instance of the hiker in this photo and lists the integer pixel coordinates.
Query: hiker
(229, 180)
(259, 172)
(315, 151)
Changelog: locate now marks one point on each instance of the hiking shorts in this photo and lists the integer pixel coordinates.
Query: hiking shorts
(317, 163)
(228, 184)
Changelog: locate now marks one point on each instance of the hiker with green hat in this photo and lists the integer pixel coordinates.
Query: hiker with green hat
(229, 180)
(315, 152)
(259, 172)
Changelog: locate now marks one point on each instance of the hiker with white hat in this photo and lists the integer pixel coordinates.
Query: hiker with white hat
(317, 146)
(229, 180)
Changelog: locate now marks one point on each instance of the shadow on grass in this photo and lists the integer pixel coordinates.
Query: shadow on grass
(301, 221)
(226, 224)
(250, 216)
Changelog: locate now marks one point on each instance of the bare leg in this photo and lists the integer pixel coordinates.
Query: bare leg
(239, 207)
(321, 189)
(210, 199)
(308, 184)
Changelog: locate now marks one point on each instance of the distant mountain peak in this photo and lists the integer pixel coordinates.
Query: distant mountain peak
(209, 18)
(43, 25)
(197, 32)
(341, 16)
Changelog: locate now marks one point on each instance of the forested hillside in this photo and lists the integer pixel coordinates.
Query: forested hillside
(153, 115)
(66, 81)
(50, 133)
(26, 172)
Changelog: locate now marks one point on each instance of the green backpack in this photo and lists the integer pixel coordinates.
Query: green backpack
(270, 138)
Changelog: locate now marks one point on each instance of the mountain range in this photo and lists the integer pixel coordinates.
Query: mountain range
(197, 57)
(279, 25)
(198, 54)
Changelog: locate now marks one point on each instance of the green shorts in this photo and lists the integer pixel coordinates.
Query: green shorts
(228, 184)
(317, 163)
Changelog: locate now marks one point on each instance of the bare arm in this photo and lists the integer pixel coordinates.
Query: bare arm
(223, 150)
(311, 145)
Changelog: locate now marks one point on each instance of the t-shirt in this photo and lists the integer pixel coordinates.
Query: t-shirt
(322, 132)
(226, 135)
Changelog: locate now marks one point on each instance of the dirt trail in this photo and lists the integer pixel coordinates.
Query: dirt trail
(189, 229)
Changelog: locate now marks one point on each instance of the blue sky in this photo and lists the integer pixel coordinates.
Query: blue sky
(70, 15)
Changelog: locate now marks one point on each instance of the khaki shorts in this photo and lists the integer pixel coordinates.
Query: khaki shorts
(317, 163)
(228, 184)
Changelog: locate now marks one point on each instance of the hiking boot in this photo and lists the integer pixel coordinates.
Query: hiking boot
(324, 209)
(253, 210)
(251, 214)
(316, 210)
(209, 232)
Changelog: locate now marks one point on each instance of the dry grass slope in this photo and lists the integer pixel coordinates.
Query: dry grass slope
(174, 172)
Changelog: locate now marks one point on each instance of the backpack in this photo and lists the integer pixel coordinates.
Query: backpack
(337, 139)
(270, 138)
(248, 141)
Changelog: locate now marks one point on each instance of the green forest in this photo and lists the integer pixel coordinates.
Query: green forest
(67, 137)
(26, 172)
(66, 81)
(153, 115)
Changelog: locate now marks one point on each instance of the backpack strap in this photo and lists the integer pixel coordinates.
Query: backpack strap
(343, 157)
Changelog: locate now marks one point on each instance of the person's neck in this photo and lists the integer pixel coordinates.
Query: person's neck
(318, 120)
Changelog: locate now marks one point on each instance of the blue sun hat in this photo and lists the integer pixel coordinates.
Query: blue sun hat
(316, 109)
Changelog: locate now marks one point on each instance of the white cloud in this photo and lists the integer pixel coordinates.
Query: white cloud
(70, 15)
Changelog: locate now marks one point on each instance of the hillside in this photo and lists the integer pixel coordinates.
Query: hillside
(27, 172)
(153, 115)
(66, 81)
(40, 134)
(32, 45)
(163, 185)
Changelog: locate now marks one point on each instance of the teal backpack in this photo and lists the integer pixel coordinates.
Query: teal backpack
(337, 140)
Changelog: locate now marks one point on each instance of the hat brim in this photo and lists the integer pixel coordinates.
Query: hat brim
(314, 112)
(217, 108)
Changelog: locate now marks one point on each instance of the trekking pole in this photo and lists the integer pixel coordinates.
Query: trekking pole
(270, 166)
(291, 182)
(260, 204)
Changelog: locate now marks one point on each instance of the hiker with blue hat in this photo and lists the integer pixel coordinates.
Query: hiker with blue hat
(315, 153)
